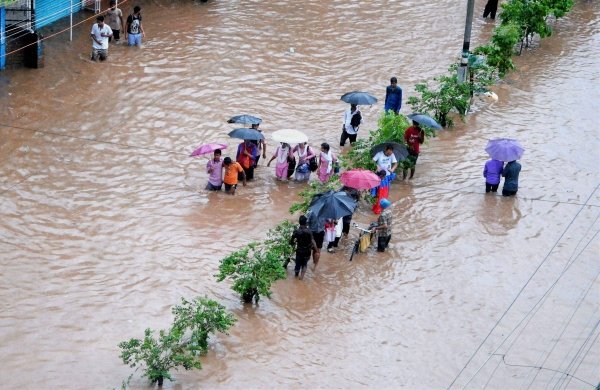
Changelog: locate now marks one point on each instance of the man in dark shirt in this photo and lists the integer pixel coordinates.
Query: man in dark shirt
(393, 96)
(511, 178)
(305, 245)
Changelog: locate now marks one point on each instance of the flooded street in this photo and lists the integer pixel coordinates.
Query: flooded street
(105, 223)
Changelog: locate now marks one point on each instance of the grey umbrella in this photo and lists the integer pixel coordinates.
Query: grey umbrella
(359, 98)
(425, 120)
(244, 133)
(332, 204)
(245, 119)
(400, 150)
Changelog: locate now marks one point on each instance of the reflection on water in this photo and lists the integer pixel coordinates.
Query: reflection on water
(105, 223)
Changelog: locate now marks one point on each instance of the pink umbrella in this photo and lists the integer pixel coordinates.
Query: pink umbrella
(207, 148)
(360, 179)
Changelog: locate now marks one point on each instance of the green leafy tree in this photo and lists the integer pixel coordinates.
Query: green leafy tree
(253, 270)
(182, 344)
(278, 241)
(501, 48)
(438, 100)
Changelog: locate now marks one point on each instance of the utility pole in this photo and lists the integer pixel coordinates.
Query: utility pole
(464, 61)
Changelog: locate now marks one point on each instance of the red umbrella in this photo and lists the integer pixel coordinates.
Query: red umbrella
(360, 179)
(207, 148)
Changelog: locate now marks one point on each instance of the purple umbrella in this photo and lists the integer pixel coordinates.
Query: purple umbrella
(504, 149)
(207, 148)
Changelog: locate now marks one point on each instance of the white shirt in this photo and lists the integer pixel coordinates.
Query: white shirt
(385, 162)
(347, 118)
(97, 32)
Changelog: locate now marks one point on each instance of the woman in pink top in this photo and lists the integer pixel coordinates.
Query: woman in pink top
(282, 154)
(305, 153)
(326, 161)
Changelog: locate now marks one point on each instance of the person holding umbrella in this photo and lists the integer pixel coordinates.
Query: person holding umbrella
(386, 160)
(283, 154)
(214, 168)
(511, 178)
(245, 157)
(352, 120)
(261, 145)
(413, 136)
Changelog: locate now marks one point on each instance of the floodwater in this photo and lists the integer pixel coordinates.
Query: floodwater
(105, 224)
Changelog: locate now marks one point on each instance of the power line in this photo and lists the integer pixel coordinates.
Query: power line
(524, 286)
(57, 33)
(547, 369)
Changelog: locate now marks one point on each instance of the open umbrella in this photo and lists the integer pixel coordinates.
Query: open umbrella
(207, 148)
(289, 136)
(332, 204)
(504, 149)
(425, 120)
(245, 119)
(360, 179)
(244, 133)
(400, 150)
(359, 98)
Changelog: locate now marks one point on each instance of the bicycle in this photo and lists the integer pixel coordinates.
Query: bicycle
(364, 239)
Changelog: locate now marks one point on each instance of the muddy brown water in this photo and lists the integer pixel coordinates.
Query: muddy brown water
(105, 224)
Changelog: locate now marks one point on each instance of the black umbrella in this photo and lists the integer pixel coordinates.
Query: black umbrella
(332, 204)
(400, 150)
(359, 98)
(249, 134)
(245, 119)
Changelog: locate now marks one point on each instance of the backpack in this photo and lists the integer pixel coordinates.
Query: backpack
(356, 119)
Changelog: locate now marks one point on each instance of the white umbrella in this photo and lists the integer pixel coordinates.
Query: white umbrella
(289, 136)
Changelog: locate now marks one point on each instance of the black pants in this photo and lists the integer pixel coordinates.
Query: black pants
(508, 193)
(345, 136)
(333, 244)
(249, 174)
(491, 187)
(383, 242)
(490, 9)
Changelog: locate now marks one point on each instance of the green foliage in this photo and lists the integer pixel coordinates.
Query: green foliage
(501, 48)
(182, 344)
(445, 95)
(313, 188)
(278, 241)
(253, 270)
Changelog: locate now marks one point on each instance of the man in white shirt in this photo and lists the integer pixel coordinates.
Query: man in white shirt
(100, 34)
(352, 120)
(386, 160)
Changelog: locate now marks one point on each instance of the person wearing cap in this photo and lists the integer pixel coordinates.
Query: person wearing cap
(384, 226)
(305, 245)
(232, 169)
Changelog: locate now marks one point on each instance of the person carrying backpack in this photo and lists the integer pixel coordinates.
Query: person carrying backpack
(352, 120)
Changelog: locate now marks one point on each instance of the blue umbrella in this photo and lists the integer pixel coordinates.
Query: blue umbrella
(359, 98)
(243, 133)
(504, 149)
(245, 119)
(425, 120)
(332, 204)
